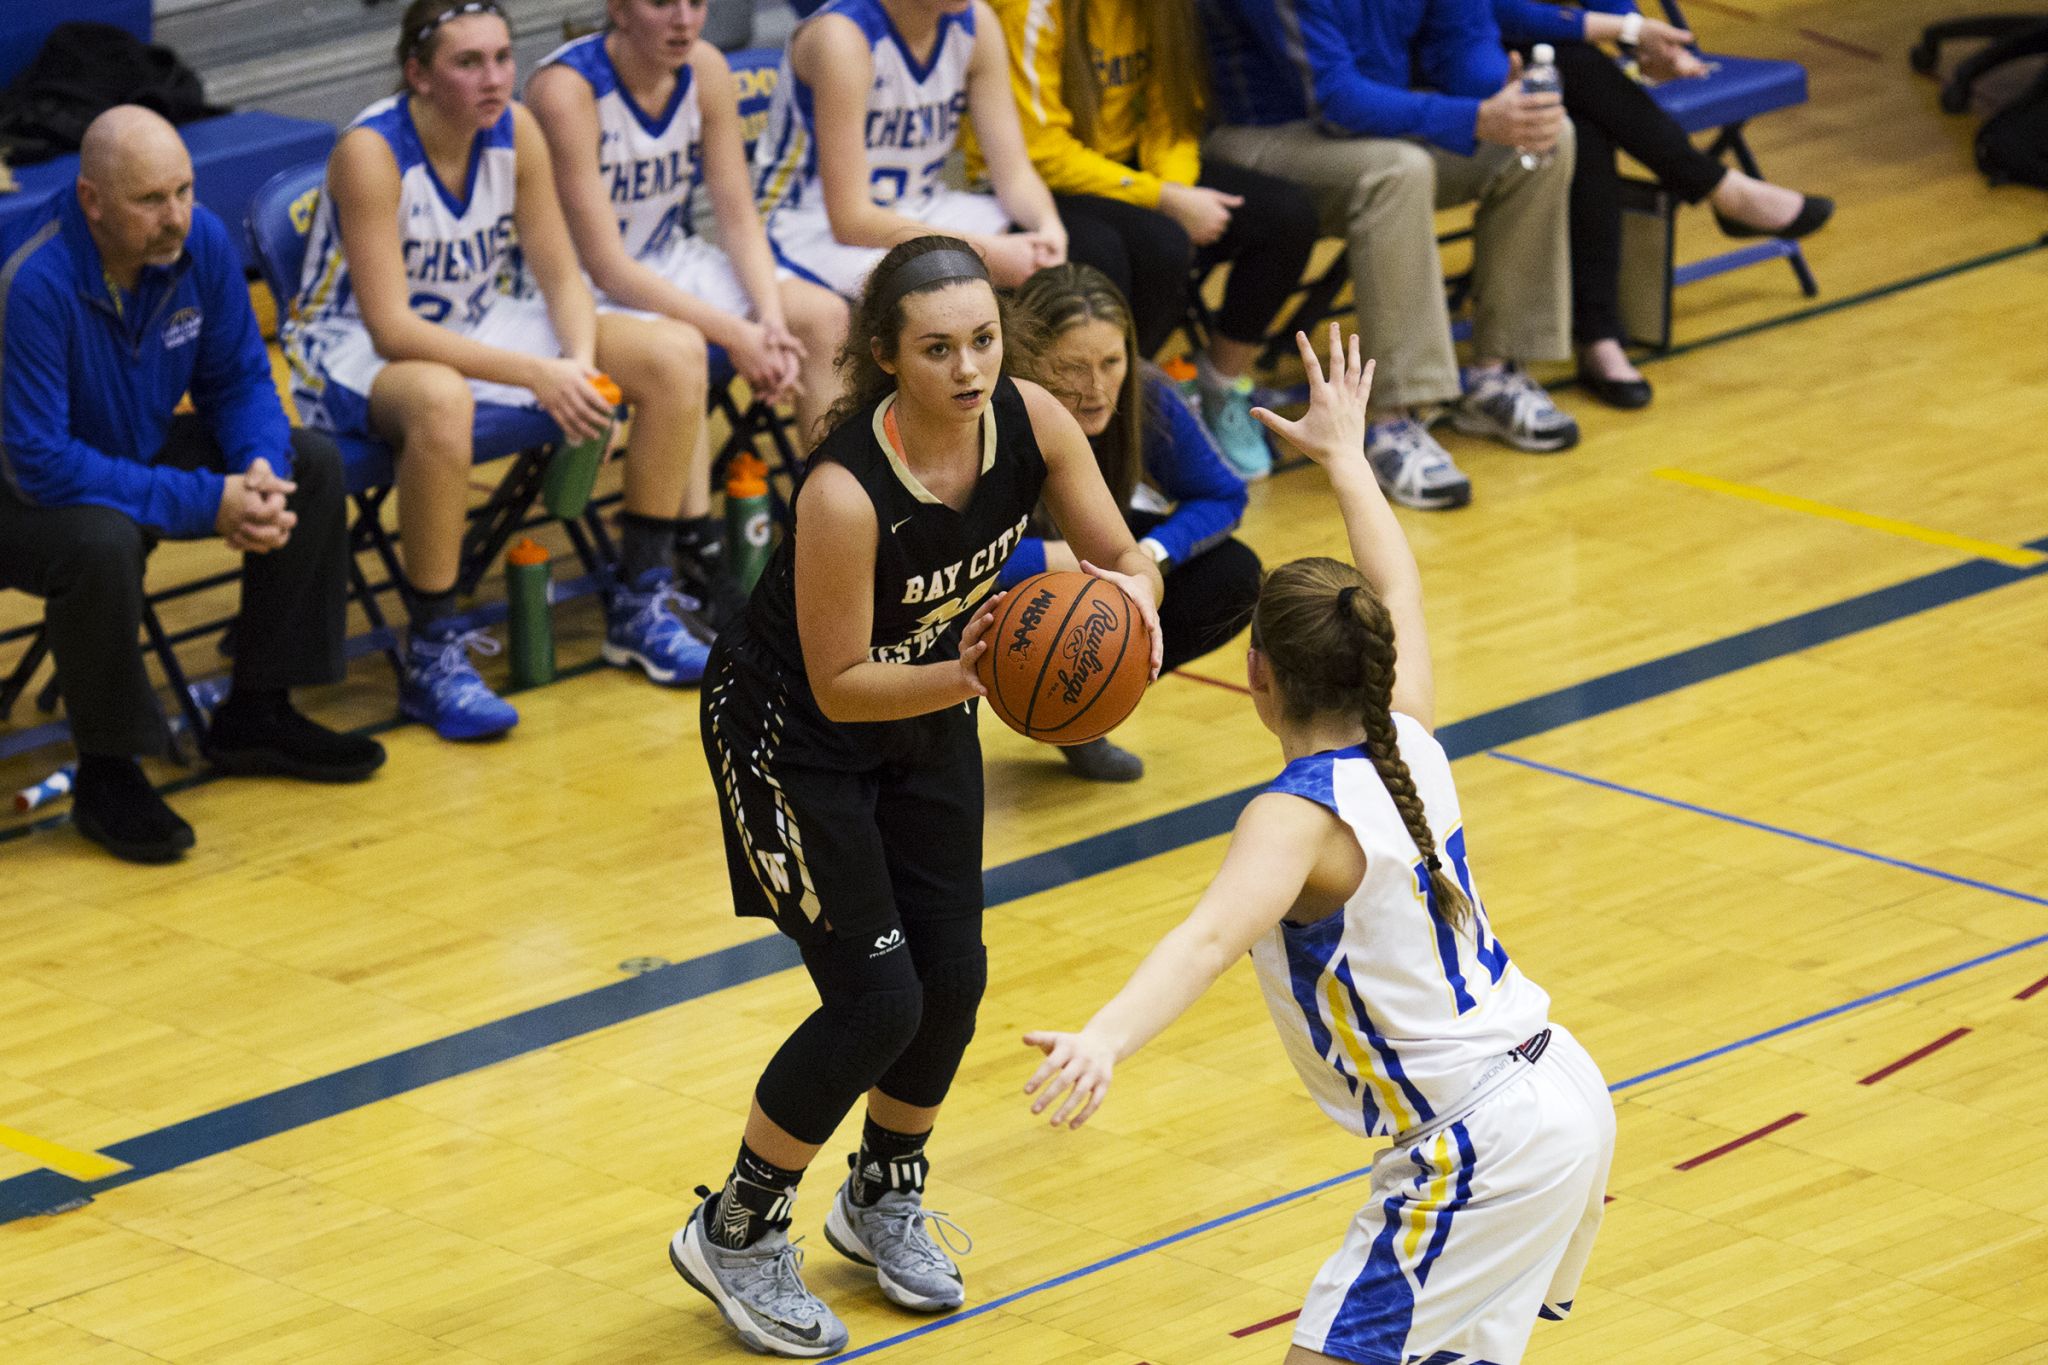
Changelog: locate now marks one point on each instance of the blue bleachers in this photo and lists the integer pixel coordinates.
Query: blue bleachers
(232, 156)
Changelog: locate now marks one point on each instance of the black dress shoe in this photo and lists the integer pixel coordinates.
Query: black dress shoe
(114, 806)
(1627, 394)
(271, 739)
(1814, 211)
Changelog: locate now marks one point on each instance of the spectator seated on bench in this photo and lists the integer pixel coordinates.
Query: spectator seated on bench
(232, 155)
(118, 300)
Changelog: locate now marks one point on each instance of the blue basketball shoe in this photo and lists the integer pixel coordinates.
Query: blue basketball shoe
(441, 687)
(644, 625)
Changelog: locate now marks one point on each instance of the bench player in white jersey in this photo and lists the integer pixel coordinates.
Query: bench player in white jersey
(864, 121)
(1347, 882)
(405, 322)
(640, 118)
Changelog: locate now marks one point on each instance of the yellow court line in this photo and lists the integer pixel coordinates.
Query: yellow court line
(1982, 549)
(77, 1165)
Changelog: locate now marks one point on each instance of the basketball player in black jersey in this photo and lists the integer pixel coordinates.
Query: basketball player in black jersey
(839, 722)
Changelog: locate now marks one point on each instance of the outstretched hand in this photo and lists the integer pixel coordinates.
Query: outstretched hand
(1076, 1065)
(1333, 428)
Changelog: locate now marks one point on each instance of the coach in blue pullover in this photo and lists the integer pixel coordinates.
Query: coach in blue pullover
(1389, 110)
(114, 303)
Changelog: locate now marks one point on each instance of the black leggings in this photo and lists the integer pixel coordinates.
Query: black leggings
(1208, 600)
(1608, 110)
(1149, 256)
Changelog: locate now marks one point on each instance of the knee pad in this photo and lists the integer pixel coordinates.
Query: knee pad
(836, 1055)
(952, 995)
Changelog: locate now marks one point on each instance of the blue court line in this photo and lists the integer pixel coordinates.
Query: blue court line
(179, 1144)
(1779, 830)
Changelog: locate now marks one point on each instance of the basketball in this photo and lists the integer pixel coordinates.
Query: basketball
(1067, 659)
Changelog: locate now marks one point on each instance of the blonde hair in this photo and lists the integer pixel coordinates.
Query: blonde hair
(1330, 642)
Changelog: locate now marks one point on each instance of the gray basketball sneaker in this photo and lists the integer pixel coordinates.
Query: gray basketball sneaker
(890, 1236)
(758, 1290)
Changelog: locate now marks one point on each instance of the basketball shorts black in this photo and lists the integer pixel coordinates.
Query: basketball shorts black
(855, 850)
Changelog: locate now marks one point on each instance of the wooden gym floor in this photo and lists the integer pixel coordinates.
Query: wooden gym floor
(1747, 697)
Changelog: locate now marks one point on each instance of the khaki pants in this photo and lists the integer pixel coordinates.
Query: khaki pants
(1381, 196)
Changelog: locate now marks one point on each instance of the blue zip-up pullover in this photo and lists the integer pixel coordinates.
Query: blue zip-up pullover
(1182, 462)
(87, 391)
(1361, 68)
(1531, 21)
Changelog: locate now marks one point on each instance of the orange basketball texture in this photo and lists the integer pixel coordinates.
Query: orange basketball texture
(1068, 658)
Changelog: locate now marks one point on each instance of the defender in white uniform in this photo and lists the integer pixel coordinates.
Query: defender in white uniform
(863, 126)
(1347, 882)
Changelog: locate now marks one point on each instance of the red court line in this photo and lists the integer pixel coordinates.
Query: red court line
(1269, 1322)
(1937, 1045)
(2030, 992)
(1238, 688)
(1725, 1148)
(1826, 40)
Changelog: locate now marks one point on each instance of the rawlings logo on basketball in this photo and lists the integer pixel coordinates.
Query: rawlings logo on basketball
(1032, 616)
(1084, 649)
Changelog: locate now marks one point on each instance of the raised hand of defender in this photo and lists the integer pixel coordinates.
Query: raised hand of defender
(1077, 1065)
(1333, 428)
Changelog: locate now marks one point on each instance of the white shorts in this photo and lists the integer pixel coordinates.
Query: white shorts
(700, 269)
(334, 364)
(802, 239)
(1470, 1234)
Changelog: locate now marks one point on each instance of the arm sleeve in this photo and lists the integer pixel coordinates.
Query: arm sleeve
(48, 467)
(1528, 21)
(231, 385)
(1461, 50)
(1027, 559)
(1031, 31)
(1349, 101)
(1174, 155)
(1182, 461)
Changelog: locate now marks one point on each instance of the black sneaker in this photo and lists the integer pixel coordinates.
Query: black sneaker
(272, 739)
(113, 805)
(1100, 761)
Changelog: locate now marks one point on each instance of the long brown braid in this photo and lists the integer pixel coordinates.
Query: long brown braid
(1330, 642)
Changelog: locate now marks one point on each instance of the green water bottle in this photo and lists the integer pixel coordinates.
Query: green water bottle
(529, 592)
(749, 526)
(572, 469)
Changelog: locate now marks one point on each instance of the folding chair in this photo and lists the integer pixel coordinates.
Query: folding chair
(280, 216)
(1734, 91)
(162, 643)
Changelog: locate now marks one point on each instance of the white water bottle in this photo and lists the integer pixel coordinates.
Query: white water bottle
(1540, 77)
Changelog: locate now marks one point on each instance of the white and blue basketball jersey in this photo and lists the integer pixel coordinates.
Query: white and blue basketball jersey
(460, 245)
(913, 120)
(650, 161)
(1390, 1016)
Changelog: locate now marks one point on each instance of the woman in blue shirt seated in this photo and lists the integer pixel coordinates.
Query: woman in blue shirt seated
(1161, 464)
(1609, 110)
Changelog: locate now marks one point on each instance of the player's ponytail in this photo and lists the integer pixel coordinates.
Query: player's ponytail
(1330, 642)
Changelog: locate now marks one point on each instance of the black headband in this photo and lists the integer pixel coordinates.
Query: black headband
(933, 267)
(426, 30)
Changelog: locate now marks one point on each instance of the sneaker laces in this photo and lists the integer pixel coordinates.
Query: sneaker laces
(657, 615)
(783, 1292)
(903, 1219)
(1528, 403)
(452, 670)
(1406, 447)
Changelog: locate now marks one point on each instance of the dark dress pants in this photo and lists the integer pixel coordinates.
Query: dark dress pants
(86, 562)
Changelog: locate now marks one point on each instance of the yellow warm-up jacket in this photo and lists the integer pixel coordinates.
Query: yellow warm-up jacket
(1136, 151)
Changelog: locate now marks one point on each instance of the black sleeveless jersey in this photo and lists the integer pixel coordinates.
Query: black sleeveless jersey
(933, 565)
